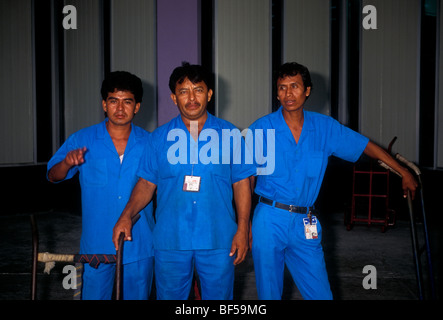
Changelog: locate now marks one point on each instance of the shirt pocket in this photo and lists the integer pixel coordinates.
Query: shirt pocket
(168, 171)
(94, 173)
(315, 164)
(221, 171)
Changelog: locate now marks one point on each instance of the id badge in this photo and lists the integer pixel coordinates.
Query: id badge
(191, 184)
(310, 228)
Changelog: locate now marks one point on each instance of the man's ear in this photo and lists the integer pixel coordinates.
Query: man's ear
(137, 107)
(174, 98)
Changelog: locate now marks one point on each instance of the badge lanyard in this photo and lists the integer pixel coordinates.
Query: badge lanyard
(310, 226)
(192, 183)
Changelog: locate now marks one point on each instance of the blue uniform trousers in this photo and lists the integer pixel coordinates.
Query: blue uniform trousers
(174, 271)
(277, 239)
(98, 283)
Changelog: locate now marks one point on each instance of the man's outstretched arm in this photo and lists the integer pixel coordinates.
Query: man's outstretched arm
(408, 181)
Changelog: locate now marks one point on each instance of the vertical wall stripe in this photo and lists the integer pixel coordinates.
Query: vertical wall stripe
(243, 60)
(439, 91)
(389, 76)
(16, 79)
(133, 49)
(83, 64)
(306, 38)
(178, 39)
(343, 85)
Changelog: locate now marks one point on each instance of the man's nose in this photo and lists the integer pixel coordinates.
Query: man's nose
(289, 92)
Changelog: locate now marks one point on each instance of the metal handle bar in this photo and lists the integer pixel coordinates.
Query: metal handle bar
(408, 163)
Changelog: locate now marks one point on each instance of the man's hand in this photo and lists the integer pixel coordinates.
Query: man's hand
(141, 195)
(408, 184)
(239, 245)
(408, 181)
(123, 225)
(75, 157)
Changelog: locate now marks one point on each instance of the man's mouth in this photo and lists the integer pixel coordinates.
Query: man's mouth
(193, 106)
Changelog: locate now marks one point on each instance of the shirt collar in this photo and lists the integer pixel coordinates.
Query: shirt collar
(102, 133)
(209, 123)
(307, 124)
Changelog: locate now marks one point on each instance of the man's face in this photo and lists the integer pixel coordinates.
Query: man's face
(192, 99)
(292, 93)
(120, 107)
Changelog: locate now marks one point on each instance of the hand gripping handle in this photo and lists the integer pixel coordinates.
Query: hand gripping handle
(408, 163)
(384, 165)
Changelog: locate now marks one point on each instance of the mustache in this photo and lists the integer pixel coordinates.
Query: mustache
(193, 104)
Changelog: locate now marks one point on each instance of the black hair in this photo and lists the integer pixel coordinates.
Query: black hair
(195, 73)
(291, 69)
(122, 81)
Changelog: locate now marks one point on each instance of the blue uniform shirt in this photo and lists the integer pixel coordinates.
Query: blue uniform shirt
(300, 167)
(193, 220)
(106, 185)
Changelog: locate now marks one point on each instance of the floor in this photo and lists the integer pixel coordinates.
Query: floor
(346, 254)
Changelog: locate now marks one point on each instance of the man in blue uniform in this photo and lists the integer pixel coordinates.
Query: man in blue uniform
(107, 155)
(197, 175)
(284, 229)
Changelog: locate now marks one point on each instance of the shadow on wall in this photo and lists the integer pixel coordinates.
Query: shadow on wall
(147, 116)
(319, 101)
(224, 98)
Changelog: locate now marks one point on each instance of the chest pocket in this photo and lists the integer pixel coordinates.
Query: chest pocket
(221, 171)
(315, 164)
(167, 170)
(94, 173)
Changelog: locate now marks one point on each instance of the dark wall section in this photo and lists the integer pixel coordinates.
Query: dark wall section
(26, 190)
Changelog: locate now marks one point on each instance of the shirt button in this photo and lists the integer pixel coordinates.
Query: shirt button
(119, 197)
(195, 202)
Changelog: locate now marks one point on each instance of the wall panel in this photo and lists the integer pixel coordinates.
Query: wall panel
(390, 76)
(306, 36)
(243, 60)
(439, 113)
(133, 47)
(16, 82)
(83, 67)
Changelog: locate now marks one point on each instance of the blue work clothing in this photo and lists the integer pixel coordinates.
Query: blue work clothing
(278, 238)
(193, 220)
(98, 284)
(106, 185)
(215, 269)
(278, 235)
(202, 220)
